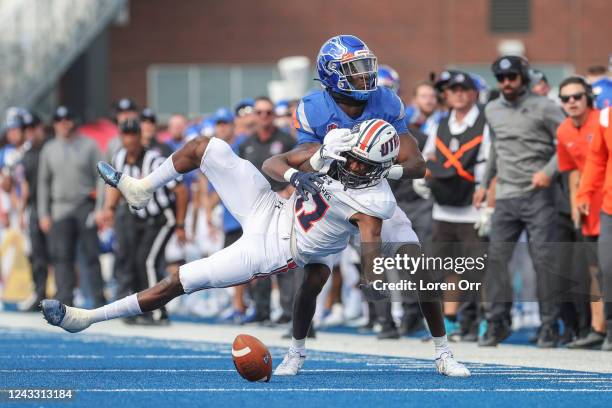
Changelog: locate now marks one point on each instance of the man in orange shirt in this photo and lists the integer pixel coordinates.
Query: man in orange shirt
(573, 138)
(598, 173)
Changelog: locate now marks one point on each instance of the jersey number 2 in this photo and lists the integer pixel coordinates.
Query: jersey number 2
(308, 218)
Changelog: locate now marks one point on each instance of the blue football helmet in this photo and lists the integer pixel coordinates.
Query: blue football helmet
(388, 77)
(347, 66)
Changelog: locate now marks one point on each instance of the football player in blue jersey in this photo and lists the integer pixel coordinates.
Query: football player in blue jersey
(348, 70)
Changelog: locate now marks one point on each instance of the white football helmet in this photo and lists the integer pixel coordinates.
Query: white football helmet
(377, 146)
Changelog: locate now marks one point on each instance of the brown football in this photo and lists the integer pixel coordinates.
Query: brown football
(252, 358)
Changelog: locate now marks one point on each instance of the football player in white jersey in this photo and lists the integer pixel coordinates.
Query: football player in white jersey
(317, 221)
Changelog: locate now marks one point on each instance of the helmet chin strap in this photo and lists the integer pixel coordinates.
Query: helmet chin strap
(345, 99)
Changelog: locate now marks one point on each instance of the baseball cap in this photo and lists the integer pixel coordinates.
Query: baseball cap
(223, 115)
(282, 108)
(30, 119)
(130, 126)
(244, 107)
(63, 112)
(443, 79)
(462, 79)
(126, 104)
(148, 115)
(537, 76)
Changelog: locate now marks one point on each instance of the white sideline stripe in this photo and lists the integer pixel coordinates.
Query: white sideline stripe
(382, 390)
(242, 352)
(187, 370)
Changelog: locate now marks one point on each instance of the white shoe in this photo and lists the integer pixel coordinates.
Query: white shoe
(291, 364)
(447, 365)
(71, 319)
(135, 191)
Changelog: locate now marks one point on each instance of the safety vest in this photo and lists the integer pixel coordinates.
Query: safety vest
(452, 172)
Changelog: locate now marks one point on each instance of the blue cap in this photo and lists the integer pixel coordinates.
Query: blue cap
(223, 115)
(207, 126)
(244, 107)
(282, 108)
(192, 131)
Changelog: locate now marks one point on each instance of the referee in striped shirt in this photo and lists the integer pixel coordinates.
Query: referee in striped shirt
(142, 239)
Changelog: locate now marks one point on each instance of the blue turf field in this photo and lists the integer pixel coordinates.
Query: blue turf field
(128, 372)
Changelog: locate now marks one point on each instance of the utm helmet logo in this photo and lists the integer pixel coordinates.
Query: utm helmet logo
(332, 126)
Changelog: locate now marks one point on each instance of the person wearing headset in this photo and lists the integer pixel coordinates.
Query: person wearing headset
(523, 159)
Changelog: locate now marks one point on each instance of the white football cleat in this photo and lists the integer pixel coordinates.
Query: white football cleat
(447, 365)
(71, 319)
(135, 191)
(291, 364)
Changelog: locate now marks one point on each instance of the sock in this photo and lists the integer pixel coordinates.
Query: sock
(298, 346)
(128, 306)
(162, 175)
(441, 344)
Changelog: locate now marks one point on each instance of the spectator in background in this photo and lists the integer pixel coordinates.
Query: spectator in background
(523, 160)
(67, 179)
(424, 112)
(573, 139)
(177, 124)
(148, 133)
(539, 83)
(598, 175)
(268, 141)
(456, 153)
(245, 119)
(124, 109)
(142, 242)
(600, 79)
(39, 257)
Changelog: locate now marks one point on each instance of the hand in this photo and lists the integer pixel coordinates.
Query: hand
(105, 218)
(395, 172)
(483, 225)
(540, 180)
(479, 196)
(336, 141)
(305, 183)
(181, 236)
(45, 224)
(583, 207)
(576, 217)
(420, 187)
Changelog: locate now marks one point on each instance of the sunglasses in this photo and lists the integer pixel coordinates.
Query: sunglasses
(264, 113)
(510, 76)
(576, 97)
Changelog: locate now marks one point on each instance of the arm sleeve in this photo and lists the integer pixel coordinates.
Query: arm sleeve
(483, 156)
(44, 182)
(594, 171)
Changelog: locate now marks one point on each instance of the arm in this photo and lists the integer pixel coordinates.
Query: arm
(410, 158)
(182, 196)
(298, 158)
(42, 192)
(369, 230)
(574, 182)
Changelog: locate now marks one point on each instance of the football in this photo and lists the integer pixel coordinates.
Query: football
(252, 358)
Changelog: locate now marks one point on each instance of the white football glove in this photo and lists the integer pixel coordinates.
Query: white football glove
(483, 225)
(395, 172)
(336, 141)
(420, 187)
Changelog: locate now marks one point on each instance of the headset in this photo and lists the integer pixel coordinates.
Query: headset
(579, 79)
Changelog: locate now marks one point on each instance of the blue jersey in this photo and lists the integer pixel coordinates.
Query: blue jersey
(318, 113)
(603, 93)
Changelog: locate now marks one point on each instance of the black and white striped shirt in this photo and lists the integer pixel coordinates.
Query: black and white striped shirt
(148, 161)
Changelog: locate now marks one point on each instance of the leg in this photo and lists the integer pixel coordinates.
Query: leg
(63, 252)
(39, 258)
(88, 235)
(605, 262)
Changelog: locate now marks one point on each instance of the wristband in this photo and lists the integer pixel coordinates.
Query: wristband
(316, 160)
(182, 226)
(290, 172)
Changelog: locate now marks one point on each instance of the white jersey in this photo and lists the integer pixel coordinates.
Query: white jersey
(322, 224)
